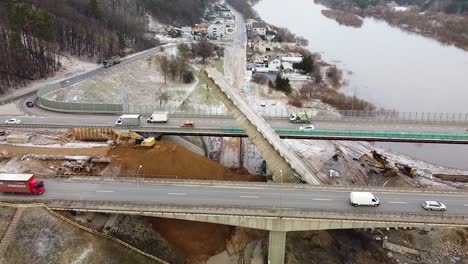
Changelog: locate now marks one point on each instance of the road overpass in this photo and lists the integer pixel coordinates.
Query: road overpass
(228, 127)
(277, 208)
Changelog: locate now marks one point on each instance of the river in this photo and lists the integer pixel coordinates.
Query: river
(389, 67)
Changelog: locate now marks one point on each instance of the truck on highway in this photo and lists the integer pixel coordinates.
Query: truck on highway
(158, 117)
(299, 118)
(128, 120)
(21, 184)
(111, 61)
(363, 199)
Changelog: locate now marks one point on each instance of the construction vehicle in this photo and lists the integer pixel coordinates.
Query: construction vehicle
(406, 170)
(111, 61)
(21, 184)
(148, 142)
(299, 118)
(125, 136)
(136, 138)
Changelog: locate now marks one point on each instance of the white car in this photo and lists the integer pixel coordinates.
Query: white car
(433, 205)
(307, 128)
(262, 104)
(13, 121)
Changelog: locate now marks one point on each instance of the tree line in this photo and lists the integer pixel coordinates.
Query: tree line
(34, 34)
(178, 12)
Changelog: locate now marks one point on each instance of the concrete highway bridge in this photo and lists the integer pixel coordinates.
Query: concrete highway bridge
(228, 127)
(277, 208)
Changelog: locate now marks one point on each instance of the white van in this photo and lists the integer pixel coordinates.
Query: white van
(363, 199)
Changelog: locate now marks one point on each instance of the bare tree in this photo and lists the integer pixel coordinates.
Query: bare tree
(317, 75)
(184, 51)
(204, 49)
(163, 64)
(174, 67)
(307, 90)
(161, 95)
(334, 75)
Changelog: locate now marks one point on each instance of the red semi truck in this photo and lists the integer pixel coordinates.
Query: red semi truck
(21, 184)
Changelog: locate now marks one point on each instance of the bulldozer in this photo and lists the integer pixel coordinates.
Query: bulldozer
(406, 170)
(137, 138)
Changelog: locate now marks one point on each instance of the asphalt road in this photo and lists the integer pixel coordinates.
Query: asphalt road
(245, 196)
(229, 122)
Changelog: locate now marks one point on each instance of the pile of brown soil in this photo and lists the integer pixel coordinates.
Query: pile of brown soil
(168, 160)
(197, 241)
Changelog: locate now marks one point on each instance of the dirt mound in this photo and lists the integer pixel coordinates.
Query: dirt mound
(167, 160)
(197, 241)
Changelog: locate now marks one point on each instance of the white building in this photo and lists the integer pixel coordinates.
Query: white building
(297, 59)
(274, 64)
(260, 28)
(217, 30)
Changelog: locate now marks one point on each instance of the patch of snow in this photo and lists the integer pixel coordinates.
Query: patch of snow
(81, 258)
(71, 66)
(400, 8)
(67, 145)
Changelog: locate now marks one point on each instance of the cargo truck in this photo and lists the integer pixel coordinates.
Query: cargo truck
(158, 117)
(21, 184)
(299, 118)
(111, 61)
(363, 199)
(128, 120)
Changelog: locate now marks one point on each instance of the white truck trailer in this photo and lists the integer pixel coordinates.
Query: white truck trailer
(158, 117)
(363, 199)
(128, 120)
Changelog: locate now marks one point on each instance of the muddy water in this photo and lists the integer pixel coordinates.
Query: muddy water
(387, 66)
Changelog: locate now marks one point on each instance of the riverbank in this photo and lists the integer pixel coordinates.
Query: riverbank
(447, 28)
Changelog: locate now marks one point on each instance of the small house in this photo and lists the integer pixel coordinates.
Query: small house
(259, 28)
(174, 32)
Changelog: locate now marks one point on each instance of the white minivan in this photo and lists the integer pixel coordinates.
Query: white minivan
(363, 199)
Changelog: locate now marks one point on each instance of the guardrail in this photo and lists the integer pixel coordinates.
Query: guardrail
(365, 134)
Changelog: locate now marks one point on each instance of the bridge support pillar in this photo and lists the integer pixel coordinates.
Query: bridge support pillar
(276, 247)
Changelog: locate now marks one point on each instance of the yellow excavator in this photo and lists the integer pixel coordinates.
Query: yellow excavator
(137, 138)
(407, 170)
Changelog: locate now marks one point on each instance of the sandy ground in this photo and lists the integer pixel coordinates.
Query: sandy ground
(198, 241)
(167, 160)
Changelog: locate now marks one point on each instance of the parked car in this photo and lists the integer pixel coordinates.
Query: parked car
(189, 124)
(307, 128)
(434, 205)
(29, 104)
(13, 121)
(262, 104)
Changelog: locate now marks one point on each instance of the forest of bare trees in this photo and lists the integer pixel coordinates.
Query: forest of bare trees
(34, 33)
(178, 12)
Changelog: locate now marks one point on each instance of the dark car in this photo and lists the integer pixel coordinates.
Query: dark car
(30, 104)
